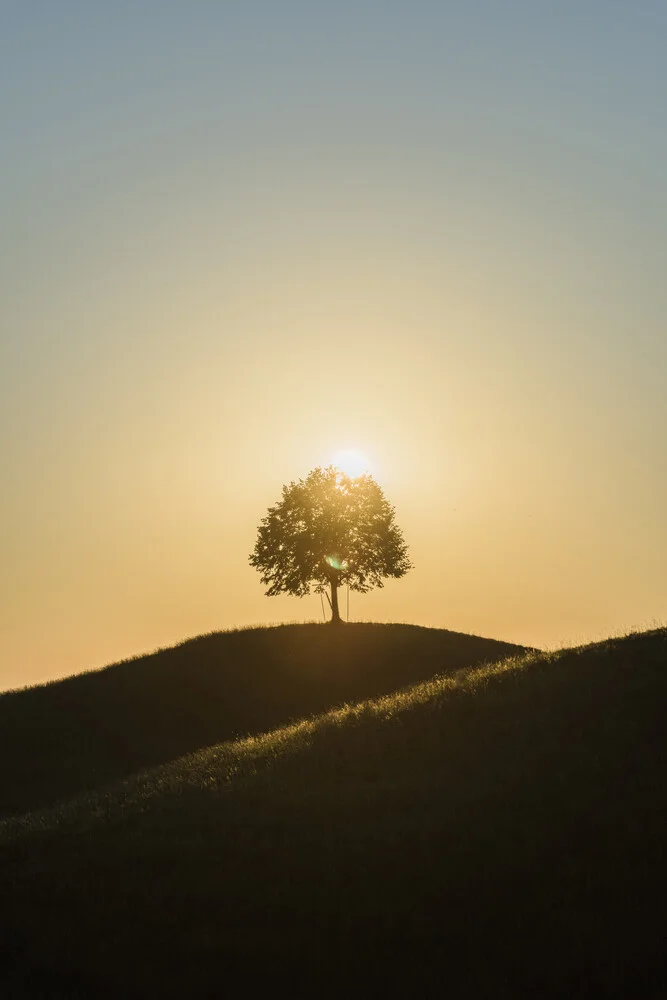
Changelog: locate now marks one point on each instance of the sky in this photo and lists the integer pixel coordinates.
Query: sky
(236, 238)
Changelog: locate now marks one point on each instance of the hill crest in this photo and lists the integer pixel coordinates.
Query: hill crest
(73, 735)
(500, 830)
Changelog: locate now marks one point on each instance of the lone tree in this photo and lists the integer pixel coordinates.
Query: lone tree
(329, 530)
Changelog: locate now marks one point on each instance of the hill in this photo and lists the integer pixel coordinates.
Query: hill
(76, 734)
(497, 832)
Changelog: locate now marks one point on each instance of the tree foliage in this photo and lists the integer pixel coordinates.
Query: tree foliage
(326, 531)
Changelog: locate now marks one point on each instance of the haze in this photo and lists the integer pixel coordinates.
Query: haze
(238, 239)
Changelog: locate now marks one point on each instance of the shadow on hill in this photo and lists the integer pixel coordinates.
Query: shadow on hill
(499, 836)
(76, 734)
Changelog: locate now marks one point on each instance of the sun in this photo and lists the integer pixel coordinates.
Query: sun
(351, 461)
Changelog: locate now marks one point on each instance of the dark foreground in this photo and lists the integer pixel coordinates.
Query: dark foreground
(501, 837)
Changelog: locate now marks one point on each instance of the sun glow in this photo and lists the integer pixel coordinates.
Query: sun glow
(351, 461)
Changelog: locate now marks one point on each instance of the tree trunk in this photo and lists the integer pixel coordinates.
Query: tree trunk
(335, 614)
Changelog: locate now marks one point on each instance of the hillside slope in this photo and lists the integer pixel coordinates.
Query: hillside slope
(496, 833)
(81, 732)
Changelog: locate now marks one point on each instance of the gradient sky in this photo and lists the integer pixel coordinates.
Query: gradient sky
(237, 237)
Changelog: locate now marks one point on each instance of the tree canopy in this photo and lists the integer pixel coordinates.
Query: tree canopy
(326, 531)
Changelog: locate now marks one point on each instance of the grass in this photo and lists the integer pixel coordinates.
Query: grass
(497, 831)
(77, 734)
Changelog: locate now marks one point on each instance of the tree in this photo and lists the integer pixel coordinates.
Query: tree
(329, 530)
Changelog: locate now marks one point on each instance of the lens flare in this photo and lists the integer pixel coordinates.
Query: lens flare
(335, 562)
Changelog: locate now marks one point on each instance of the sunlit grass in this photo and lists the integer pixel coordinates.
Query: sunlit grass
(233, 764)
(87, 731)
(498, 831)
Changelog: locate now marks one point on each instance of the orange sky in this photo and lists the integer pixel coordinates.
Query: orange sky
(234, 244)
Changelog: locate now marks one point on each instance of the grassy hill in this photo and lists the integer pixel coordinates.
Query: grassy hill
(495, 832)
(75, 734)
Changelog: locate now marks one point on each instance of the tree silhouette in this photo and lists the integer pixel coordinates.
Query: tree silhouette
(329, 530)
